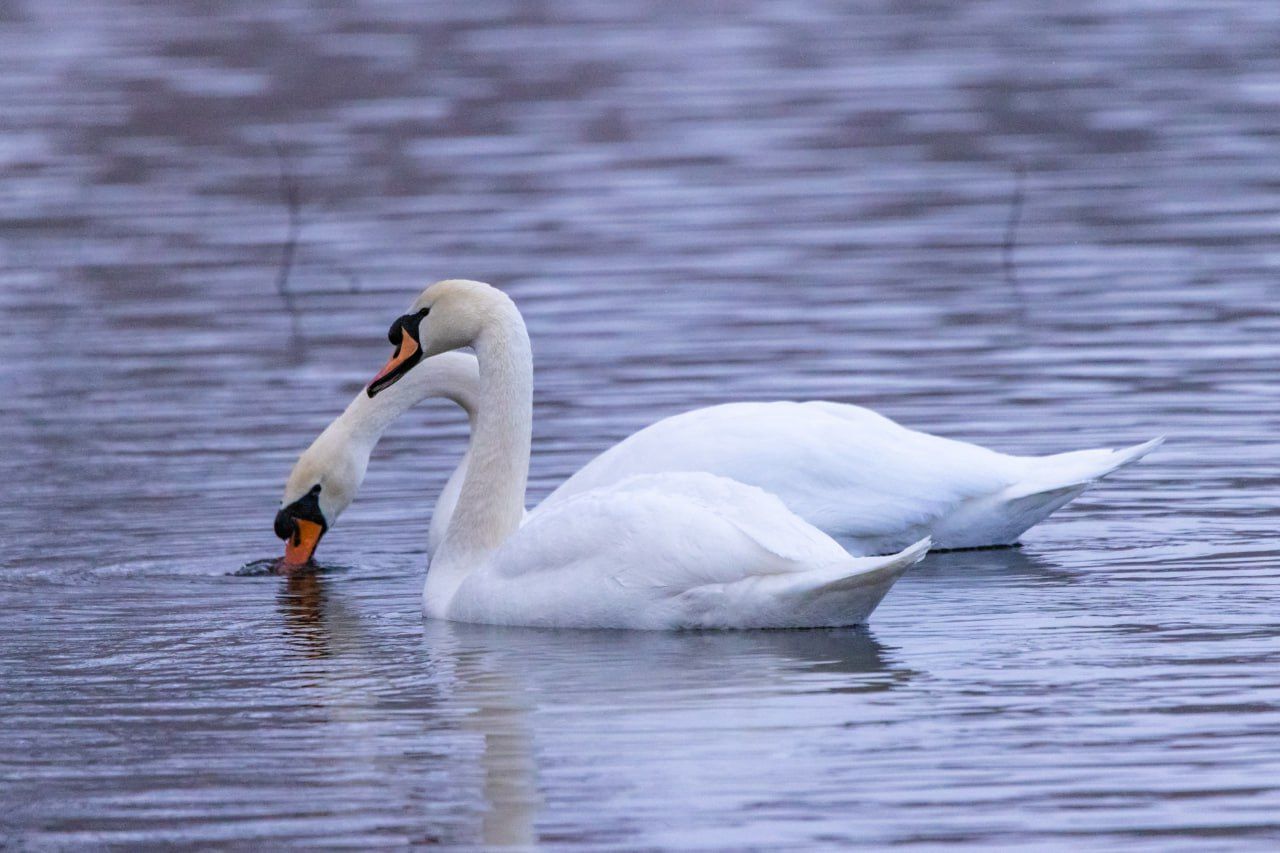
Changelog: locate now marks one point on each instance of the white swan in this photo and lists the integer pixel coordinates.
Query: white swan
(654, 551)
(858, 476)
(339, 456)
(874, 485)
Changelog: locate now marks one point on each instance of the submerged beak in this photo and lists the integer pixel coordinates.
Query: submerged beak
(301, 524)
(301, 545)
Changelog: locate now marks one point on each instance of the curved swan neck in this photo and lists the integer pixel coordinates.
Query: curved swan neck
(452, 375)
(340, 455)
(491, 501)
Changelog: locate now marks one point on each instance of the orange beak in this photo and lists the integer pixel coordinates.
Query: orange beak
(404, 354)
(302, 544)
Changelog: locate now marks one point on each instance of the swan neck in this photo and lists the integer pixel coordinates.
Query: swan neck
(491, 500)
(367, 418)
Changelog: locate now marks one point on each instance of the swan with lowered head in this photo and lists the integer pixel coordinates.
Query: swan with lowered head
(653, 551)
(338, 458)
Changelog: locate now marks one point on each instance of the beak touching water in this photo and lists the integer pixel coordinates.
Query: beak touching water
(301, 525)
(301, 545)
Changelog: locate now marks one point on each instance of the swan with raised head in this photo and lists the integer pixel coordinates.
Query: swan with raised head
(871, 483)
(653, 551)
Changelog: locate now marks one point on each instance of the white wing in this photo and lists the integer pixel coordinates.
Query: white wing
(852, 473)
(857, 475)
(673, 550)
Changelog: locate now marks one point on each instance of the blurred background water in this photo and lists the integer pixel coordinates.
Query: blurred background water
(692, 202)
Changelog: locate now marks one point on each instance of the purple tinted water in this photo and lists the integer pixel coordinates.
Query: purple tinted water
(692, 203)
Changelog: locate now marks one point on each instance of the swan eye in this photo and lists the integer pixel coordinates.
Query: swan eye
(306, 508)
(405, 321)
(413, 321)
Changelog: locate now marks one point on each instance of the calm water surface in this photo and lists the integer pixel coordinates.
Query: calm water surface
(692, 203)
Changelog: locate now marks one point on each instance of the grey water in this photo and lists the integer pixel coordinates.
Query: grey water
(692, 203)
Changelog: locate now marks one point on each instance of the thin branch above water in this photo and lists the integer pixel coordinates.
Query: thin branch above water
(293, 204)
(1011, 241)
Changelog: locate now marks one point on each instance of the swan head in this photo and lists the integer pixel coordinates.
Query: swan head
(321, 486)
(448, 315)
(329, 473)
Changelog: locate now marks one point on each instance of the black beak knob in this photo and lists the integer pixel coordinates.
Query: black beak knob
(284, 524)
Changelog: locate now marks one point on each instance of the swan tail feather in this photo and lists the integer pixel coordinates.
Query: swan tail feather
(870, 569)
(1052, 483)
(1080, 468)
(834, 595)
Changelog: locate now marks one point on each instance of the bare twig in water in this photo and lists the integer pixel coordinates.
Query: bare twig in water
(353, 280)
(1011, 241)
(332, 270)
(293, 203)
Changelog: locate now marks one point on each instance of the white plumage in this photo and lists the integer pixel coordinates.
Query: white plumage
(666, 550)
(718, 517)
(680, 550)
(860, 477)
(871, 483)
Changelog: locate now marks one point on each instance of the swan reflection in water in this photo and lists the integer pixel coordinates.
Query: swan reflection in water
(1015, 566)
(350, 677)
(496, 708)
(303, 602)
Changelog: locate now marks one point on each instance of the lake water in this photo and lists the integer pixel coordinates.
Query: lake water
(692, 203)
